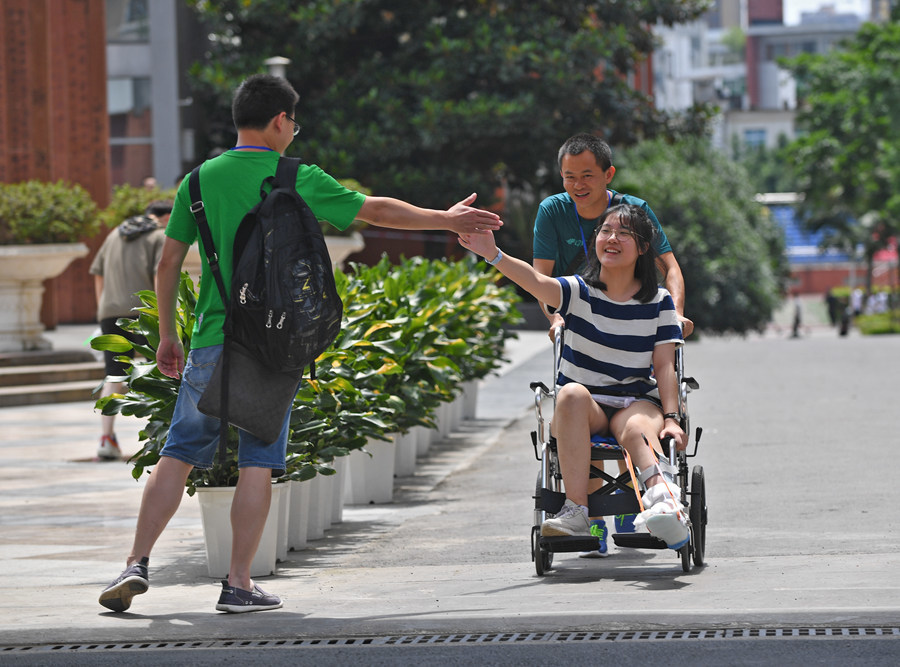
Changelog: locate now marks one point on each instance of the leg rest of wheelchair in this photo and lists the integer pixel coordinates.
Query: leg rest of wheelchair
(604, 502)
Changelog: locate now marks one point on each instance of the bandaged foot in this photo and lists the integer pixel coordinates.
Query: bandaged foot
(664, 517)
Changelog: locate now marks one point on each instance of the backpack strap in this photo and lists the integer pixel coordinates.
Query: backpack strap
(209, 247)
(286, 172)
(199, 211)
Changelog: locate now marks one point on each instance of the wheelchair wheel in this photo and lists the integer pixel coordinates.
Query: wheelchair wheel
(698, 514)
(543, 558)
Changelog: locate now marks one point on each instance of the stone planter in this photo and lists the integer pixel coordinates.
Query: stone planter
(215, 515)
(23, 270)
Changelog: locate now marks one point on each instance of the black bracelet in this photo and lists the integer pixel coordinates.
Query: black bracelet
(672, 415)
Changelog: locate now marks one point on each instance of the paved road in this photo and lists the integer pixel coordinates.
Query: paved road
(798, 448)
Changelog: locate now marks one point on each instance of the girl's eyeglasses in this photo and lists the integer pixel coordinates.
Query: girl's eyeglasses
(621, 233)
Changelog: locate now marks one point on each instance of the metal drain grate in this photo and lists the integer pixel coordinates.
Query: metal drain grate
(469, 638)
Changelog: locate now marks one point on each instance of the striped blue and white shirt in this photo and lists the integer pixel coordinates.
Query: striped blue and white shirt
(608, 346)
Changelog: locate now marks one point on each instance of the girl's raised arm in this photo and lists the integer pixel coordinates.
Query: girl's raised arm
(543, 288)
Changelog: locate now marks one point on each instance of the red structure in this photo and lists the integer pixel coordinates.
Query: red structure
(53, 118)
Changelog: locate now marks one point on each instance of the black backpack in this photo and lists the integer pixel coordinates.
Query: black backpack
(284, 307)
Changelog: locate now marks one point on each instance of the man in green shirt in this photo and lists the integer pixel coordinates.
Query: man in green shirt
(263, 109)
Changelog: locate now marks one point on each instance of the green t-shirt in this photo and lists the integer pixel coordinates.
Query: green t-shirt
(230, 186)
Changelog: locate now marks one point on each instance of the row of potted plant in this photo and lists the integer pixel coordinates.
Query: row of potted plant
(412, 335)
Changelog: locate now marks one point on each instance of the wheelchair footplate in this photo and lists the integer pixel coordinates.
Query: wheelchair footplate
(567, 543)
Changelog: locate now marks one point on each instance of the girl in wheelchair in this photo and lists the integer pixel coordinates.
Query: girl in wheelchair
(617, 372)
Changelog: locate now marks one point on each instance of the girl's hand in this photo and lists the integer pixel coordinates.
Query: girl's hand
(482, 244)
(672, 430)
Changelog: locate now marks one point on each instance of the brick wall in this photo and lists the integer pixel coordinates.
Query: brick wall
(53, 118)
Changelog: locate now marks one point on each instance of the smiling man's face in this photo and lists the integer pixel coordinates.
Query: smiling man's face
(585, 181)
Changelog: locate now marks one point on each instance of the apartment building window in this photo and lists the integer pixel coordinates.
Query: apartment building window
(130, 104)
(755, 137)
(127, 21)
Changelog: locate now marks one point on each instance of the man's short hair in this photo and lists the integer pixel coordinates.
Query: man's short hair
(159, 208)
(582, 142)
(260, 98)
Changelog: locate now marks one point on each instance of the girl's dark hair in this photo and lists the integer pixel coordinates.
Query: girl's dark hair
(260, 98)
(633, 218)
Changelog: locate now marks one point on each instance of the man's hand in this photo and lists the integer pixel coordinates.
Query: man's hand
(170, 357)
(687, 326)
(467, 220)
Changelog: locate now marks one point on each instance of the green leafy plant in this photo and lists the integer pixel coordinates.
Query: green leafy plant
(37, 212)
(128, 201)
(411, 335)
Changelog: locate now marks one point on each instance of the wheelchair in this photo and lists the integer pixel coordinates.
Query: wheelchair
(615, 496)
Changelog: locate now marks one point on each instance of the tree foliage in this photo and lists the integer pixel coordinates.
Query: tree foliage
(432, 100)
(848, 156)
(731, 254)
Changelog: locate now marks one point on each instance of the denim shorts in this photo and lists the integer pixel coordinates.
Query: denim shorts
(194, 437)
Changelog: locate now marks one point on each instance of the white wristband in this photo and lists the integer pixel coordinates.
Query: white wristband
(493, 262)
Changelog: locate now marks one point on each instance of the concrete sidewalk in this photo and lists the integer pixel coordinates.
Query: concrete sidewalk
(68, 519)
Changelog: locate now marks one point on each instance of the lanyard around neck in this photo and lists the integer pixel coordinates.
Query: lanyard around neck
(259, 148)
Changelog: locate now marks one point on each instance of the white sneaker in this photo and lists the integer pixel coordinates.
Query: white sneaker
(670, 529)
(571, 520)
(108, 449)
(664, 516)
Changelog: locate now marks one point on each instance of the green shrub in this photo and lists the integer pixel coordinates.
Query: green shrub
(411, 335)
(128, 201)
(37, 212)
(880, 323)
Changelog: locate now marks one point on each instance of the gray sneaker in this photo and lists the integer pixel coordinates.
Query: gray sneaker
(571, 520)
(238, 601)
(133, 581)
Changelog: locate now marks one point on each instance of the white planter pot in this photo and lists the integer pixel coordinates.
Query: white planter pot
(444, 419)
(341, 247)
(23, 270)
(282, 494)
(316, 522)
(372, 476)
(325, 505)
(215, 515)
(298, 515)
(405, 451)
(423, 439)
(341, 464)
(456, 412)
(470, 399)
